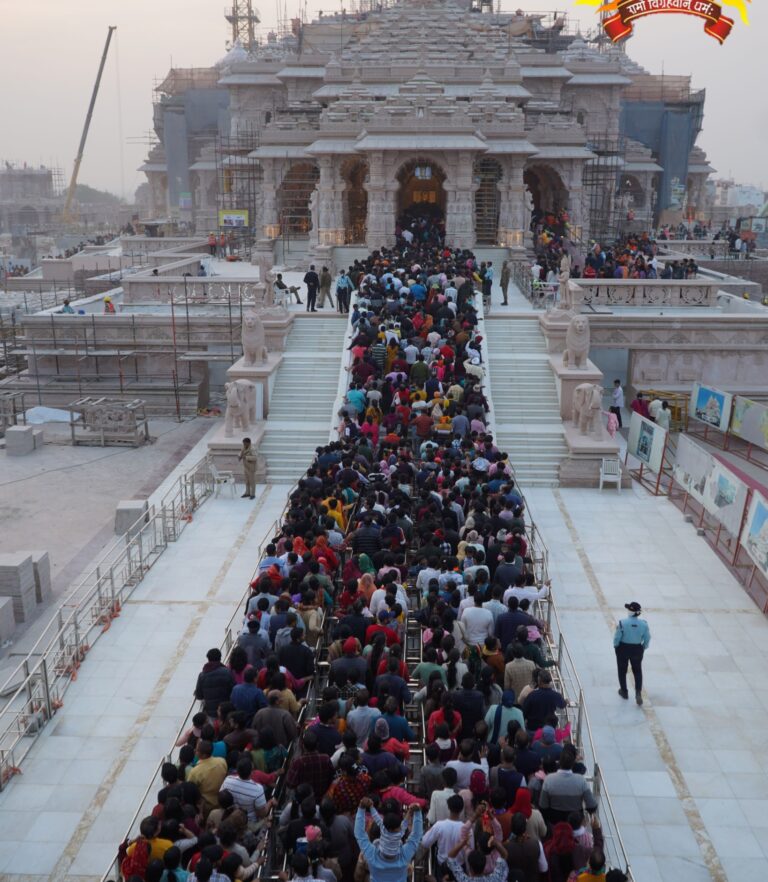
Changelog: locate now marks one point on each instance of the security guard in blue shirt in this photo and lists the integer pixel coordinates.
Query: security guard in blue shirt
(630, 641)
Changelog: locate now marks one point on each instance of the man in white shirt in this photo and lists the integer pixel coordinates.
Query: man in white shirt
(526, 592)
(438, 804)
(411, 353)
(446, 833)
(617, 400)
(427, 574)
(464, 766)
(478, 622)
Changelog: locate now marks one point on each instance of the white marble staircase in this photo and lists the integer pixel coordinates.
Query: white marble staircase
(526, 409)
(303, 396)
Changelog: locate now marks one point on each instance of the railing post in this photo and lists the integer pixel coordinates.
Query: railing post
(559, 649)
(46, 688)
(140, 543)
(112, 587)
(579, 716)
(28, 683)
(60, 623)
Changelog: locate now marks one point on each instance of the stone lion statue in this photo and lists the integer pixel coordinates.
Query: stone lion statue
(247, 392)
(254, 340)
(576, 343)
(587, 409)
(236, 414)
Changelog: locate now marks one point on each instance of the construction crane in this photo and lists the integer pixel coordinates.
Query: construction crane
(243, 19)
(67, 213)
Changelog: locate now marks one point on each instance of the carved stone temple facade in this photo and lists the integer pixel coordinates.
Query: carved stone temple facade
(480, 117)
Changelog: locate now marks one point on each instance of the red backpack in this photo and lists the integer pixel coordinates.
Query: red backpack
(136, 863)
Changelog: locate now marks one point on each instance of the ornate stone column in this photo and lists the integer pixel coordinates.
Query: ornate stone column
(577, 210)
(512, 208)
(380, 220)
(460, 204)
(269, 222)
(330, 227)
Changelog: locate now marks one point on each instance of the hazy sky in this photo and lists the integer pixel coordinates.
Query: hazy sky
(50, 52)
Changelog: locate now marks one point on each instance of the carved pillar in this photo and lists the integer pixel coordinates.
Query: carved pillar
(330, 222)
(460, 204)
(380, 221)
(269, 222)
(577, 211)
(512, 211)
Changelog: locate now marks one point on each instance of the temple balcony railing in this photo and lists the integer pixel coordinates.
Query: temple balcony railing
(693, 247)
(652, 293)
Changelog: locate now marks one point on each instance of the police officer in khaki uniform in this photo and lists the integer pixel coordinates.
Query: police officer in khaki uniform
(248, 458)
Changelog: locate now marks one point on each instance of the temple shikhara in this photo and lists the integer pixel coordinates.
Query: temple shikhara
(332, 133)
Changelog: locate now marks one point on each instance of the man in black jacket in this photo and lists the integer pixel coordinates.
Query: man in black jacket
(356, 621)
(214, 683)
(297, 656)
(312, 281)
(469, 703)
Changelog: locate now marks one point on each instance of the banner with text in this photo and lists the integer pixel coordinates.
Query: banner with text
(619, 25)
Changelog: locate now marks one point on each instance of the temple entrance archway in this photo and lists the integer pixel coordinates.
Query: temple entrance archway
(548, 192)
(487, 173)
(354, 173)
(422, 191)
(294, 199)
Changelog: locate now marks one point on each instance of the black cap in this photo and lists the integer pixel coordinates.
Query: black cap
(633, 607)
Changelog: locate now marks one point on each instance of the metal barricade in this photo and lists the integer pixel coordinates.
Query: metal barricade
(35, 690)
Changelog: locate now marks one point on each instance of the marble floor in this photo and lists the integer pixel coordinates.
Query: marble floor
(65, 815)
(687, 772)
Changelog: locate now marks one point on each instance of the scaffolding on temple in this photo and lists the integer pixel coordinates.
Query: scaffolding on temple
(601, 182)
(238, 176)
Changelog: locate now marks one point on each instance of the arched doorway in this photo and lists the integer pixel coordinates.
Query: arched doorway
(421, 190)
(354, 172)
(548, 192)
(293, 199)
(487, 174)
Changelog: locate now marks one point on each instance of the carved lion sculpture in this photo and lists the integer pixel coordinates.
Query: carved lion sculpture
(247, 392)
(587, 409)
(253, 338)
(576, 343)
(236, 414)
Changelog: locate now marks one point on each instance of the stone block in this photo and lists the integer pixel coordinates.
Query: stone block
(38, 437)
(581, 468)
(128, 513)
(17, 573)
(7, 619)
(42, 568)
(19, 440)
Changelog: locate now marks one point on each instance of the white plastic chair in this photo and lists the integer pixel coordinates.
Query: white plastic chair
(610, 473)
(221, 479)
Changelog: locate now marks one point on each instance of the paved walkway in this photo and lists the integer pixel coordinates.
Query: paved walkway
(687, 772)
(63, 818)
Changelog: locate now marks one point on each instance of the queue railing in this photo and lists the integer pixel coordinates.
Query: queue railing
(268, 851)
(35, 690)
